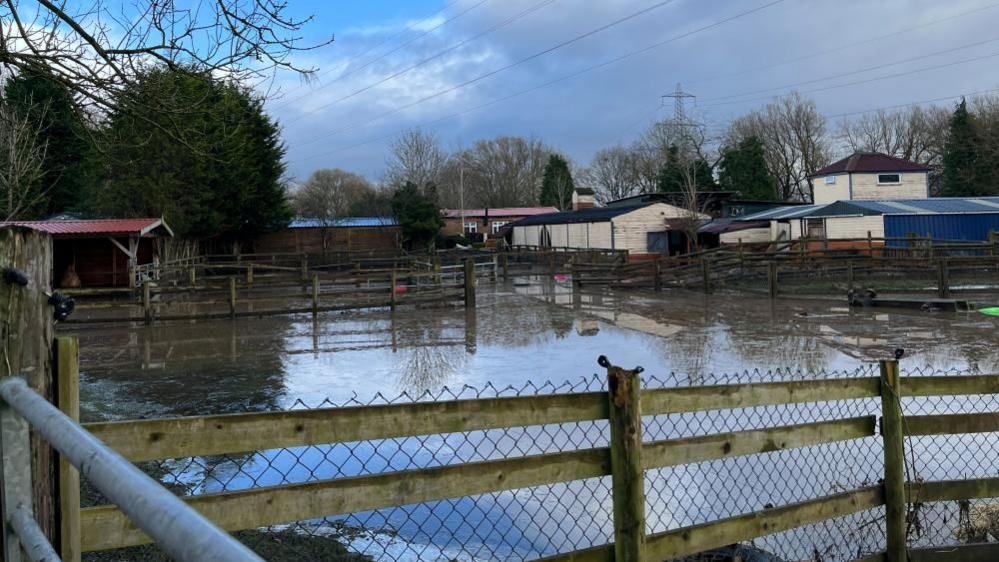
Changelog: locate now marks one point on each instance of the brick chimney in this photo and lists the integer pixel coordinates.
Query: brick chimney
(582, 198)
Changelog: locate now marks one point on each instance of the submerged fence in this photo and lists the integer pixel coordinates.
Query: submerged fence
(943, 268)
(781, 464)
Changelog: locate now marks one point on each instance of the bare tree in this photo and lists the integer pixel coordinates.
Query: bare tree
(96, 46)
(22, 155)
(793, 134)
(417, 157)
(330, 193)
(916, 134)
(612, 174)
(503, 172)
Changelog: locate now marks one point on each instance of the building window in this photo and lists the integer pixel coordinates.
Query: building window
(889, 178)
(497, 225)
(830, 180)
(471, 227)
(815, 228)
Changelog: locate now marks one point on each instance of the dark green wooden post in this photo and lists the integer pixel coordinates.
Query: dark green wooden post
(627, 475)
(469, 282)
(943, 285)
(894, 446)
(772, 279)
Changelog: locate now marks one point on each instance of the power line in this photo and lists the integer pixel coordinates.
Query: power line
(852, 72)
(435, 56)
(496, 71)
(393, 50)
(911, 104)
(556, 80)
(844, 46)
(865, 81)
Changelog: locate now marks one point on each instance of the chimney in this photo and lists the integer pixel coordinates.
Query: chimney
(582, 198)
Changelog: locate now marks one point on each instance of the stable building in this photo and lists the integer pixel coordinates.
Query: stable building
(643, 229)
(101, 252)
(355, 236)
(479, 225)
(849, 223)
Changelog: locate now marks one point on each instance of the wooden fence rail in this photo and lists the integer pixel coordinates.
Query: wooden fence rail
(106, 527)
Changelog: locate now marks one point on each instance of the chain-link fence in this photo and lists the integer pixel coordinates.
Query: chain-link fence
(558, 518)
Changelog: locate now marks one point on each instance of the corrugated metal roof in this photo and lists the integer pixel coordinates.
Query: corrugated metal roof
(343, 222)
(931, 206)
(786, 212)
(500, 212)
(595, 214)
(96, 227)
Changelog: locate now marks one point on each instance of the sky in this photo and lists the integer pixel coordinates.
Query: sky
(582, 75)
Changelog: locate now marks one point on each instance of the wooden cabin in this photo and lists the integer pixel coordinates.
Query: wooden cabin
(101, 252)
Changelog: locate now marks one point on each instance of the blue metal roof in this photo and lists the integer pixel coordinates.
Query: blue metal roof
(343, 222)
(931, 206)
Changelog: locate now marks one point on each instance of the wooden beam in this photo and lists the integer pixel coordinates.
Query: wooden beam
(947, 385)
(627, 474)
(721, 397)
(947, 424)
(953, 490)
(699, 538)
(106, 527)
(139, 440)
(983, 552)
(892, 433)
(121, 247)
(674, 452)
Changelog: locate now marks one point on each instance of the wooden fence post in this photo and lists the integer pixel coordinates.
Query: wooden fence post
(232, 297)
(392, 284)
(627, 475)
(27, 327)
(504, 263)
(495, 268)
(943, 283)
(706, 274)
(870, 244)
(15, 476)
(66, 360)
(315, 295)
(192, 276)
(305, 267)
(657, 280)
(849, 275)
(469, 282)
(147, 303)
(249, 275)
(894, 446)
(773, 279)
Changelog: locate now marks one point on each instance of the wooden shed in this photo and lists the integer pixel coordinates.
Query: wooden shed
(643, 229)
(355, 236)
(101, 252)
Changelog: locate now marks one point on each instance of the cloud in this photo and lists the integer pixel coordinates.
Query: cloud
(613, 104)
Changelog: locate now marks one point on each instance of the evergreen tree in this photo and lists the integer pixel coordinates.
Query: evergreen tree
(198, 151)
(556, 183)
(961, 160)
(71, 164)
(674, 172)
(743, 168)
(418, 215)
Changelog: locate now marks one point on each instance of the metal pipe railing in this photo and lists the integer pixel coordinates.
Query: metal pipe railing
(183, 533)
(36, 546)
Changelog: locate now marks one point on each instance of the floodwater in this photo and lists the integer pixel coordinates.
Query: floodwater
(518, 337)
(538, 332)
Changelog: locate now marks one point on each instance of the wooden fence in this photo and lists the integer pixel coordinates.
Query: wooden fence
(623, 404)
(822, 267)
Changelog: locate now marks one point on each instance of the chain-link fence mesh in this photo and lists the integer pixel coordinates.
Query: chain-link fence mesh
(563, 517)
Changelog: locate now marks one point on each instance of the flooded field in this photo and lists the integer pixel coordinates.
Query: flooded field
(517, 334)
(520, 336)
